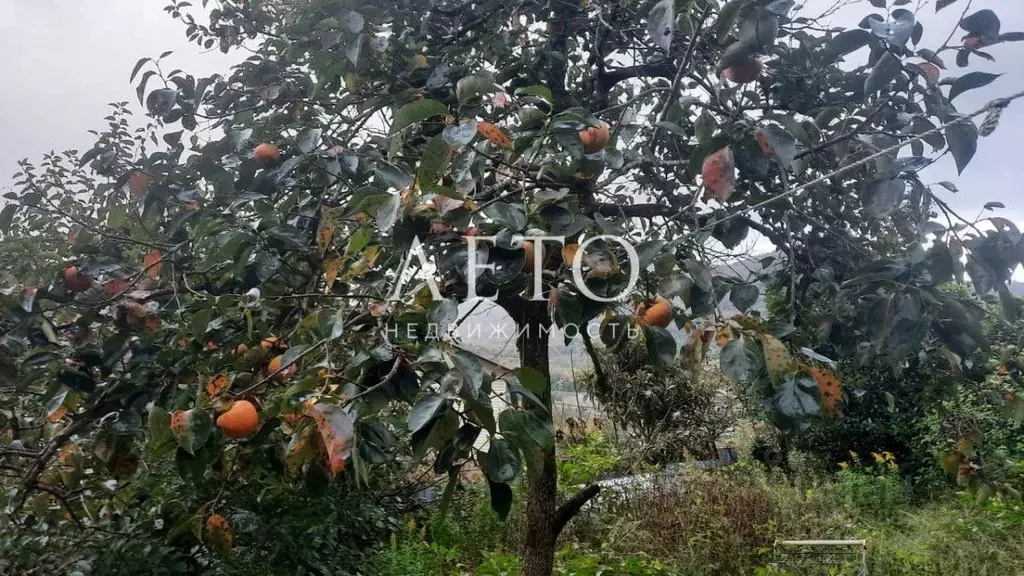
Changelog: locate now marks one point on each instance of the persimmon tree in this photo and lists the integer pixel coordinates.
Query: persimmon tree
(255, 241)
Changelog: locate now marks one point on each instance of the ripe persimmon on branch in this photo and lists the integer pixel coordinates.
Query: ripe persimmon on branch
(283, 198)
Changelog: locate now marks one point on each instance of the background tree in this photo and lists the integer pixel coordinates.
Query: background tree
(675, 411)
(251, 242)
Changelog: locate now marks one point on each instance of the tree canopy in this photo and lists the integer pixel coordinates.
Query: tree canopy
(254, 240)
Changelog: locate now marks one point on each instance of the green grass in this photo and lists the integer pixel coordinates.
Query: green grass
(725, 522)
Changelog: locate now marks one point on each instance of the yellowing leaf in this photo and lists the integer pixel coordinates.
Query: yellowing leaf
(57, 414)
(336, 432)
(331, 269)
(569, 253)
(367, 260)
(496, 135)
(301, 449)
(328, 224)
(152, 263)
(723, 336)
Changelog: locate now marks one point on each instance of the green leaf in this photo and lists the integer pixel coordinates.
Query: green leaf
(661, 24)
(387, 214)
(291, 355)
(971, 81)
(458, 135)
(501, 498)
(533, 380)
(479, 403)
(354, 48)
(7, 216)
(882, 197)
(909, 327)
(469, 87)
(200, 321)
(291, 237)
(962, 138)
(526, 427)
(502, 462)
(469, 366)
(507, 215)
(267, 264)
(517, 391)
(308, 139)
(161, 440)
(740, 360)
(416, 111)
(392, 175)
(940, 4)
(352, 20)
(443, 313)
(661, 345)
(425, 410)
(932, 57)
(885, 71)
(983, 23)
(191, 428)
(817, 357)
(542, 92)
(797, 400)
(782, 143)
(434, 161)
(727, 18)
(758, 30)
(744, 296)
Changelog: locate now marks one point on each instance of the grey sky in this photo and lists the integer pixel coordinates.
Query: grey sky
(66, 59)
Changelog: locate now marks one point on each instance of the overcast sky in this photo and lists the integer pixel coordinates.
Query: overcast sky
(66, 59)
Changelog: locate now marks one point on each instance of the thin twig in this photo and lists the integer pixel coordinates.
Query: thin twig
(858, 164)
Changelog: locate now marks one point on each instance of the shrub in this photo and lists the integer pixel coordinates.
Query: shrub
(669, 410)
(874, 489)
(590, 459)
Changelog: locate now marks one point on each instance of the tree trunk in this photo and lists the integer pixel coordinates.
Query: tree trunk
(541, 480)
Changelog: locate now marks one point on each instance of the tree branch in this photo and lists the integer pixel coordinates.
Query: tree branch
(632, 210)
(568, 510)
(612, 77)
(598, 371)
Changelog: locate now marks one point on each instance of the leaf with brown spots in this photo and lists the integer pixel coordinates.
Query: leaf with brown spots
(496, 135)
(328, 224)
(152, 263)
(777, 359)
(336, 432)
(719, 174)
(218, 385)
(724, 336)
(219, 535)
(191, 428)
(828, 388)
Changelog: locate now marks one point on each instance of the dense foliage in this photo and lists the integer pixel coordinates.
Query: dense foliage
(230, 287)
(670, 412)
